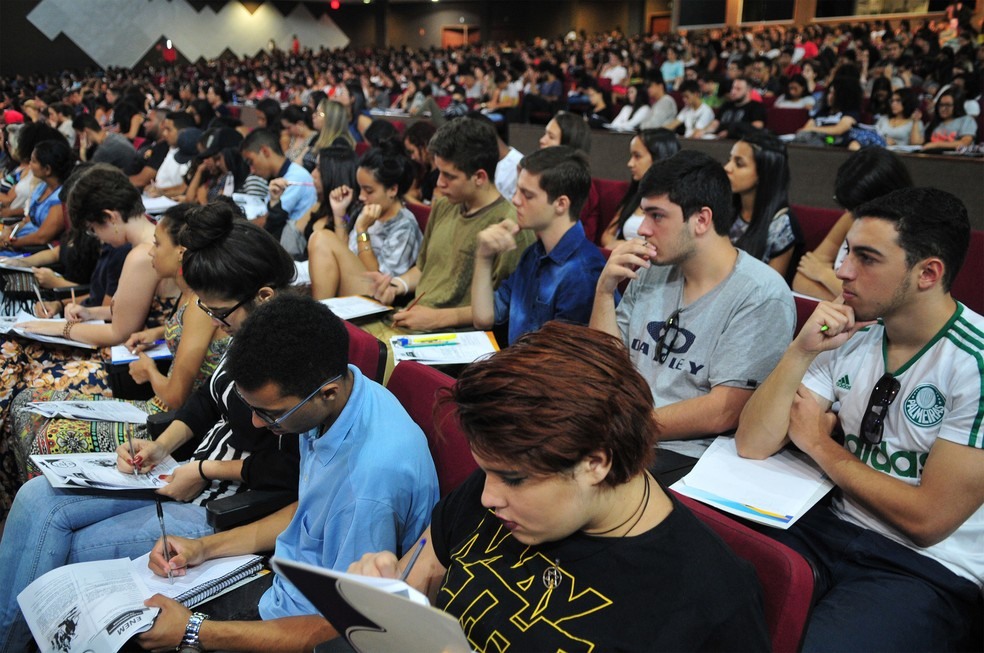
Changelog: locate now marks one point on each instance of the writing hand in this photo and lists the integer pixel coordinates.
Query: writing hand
(382, 564)
(76, 313)
(147, 453)
(183, 553)
(419, 318)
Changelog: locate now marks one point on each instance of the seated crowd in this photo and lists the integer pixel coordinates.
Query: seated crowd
(629, 340)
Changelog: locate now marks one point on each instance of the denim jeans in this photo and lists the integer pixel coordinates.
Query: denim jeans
(48, 528)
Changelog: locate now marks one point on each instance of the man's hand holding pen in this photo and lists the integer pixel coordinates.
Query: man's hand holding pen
(182, 553)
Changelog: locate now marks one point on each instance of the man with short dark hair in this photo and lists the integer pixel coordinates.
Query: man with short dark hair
(556, 275)
(704, 321)
(466, 154)
(292, 192)
(367, 480)
(739, 113)
(900, 552)
(169, 180)
(664, 108)
(109, 147)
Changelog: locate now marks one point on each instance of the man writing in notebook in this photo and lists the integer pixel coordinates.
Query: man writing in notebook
(556, 276)
(366, 477)
(466, 154)
(705, 323)
(899, 552)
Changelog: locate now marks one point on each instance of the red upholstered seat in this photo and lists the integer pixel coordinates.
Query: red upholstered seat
(421, 212)
(785, 121)
(602, 204)
(416, 387)
(968, 287)
(366, 352)
(804, 309)
(815, 222)
(362, 147)
(785, 575)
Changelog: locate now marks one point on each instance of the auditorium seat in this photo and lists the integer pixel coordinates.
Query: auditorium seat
(416, 387)
(786, 576)
(968, 287)
(804, 309)
(602, 204)
(421, 212)
(815, 222)
(785, 121)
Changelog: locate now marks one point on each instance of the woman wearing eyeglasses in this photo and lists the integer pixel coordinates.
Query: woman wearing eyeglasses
(195, 343)
(562, 537)
(232, 266)
(951, 127)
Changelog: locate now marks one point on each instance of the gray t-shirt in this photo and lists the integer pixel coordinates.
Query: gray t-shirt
(395, 242)
(116, 150)
(732, 336)
(663, 111)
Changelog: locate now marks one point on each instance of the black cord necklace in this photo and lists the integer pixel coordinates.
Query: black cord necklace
(552, 575)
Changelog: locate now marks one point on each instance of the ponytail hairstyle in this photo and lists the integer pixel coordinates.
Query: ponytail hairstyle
(229, 257)
(389, 165)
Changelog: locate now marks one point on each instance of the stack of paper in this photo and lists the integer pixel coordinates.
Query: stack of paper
(92, 410)
(157, 205)
(776, 491)
(350, 308)
(444, 348)
(9, 325)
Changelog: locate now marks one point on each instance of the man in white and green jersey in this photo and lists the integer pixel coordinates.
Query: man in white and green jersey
(900, 552)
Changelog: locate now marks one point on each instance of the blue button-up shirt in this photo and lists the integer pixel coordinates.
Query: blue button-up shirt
(367, 484)
(555, 286)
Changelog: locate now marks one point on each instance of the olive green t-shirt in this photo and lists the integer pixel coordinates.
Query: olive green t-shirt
(447, 254)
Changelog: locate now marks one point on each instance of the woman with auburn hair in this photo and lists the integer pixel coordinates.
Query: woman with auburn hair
(564, 516)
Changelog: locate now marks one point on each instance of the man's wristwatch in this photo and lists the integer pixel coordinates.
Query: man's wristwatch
(190, 641)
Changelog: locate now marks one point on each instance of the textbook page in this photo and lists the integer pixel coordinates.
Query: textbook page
(776, 491)
(93, 411)
(88, 606)
(98, 471)
(9, 324)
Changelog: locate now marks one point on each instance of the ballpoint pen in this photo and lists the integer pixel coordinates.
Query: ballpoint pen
(413, 558)
(167, 550)
(133, 454)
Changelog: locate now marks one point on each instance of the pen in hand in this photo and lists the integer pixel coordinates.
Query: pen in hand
(133, 455)
(167, 549)
(413, 559)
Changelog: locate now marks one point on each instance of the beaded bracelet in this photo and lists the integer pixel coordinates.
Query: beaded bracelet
(67, 331)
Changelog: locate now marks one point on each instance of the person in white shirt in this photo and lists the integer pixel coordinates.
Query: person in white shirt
(898, 552)
(695, 115)
(635, 112)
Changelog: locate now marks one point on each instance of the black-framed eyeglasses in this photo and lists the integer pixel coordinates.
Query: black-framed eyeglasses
(274, 422)
(221, 314)
(873, 422)
(664, 344)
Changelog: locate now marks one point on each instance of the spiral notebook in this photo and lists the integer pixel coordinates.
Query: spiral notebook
(203, 582)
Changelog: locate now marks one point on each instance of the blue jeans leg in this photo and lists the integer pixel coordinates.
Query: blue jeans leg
(48, 528)
(873, 594)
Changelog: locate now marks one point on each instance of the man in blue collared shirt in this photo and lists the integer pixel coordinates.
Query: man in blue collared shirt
(367, 480)
(556, 276)
(292, 192)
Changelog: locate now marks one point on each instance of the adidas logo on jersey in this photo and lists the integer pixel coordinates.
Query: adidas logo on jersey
(844, 383)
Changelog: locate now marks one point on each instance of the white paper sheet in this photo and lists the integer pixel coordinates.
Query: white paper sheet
(775, 491)
(443, 348)
(93, 411)
(349, 308)
(98, 471)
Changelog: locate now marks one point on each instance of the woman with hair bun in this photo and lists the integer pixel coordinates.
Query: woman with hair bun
(383, 237)
(562, 536)
(233, 266)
